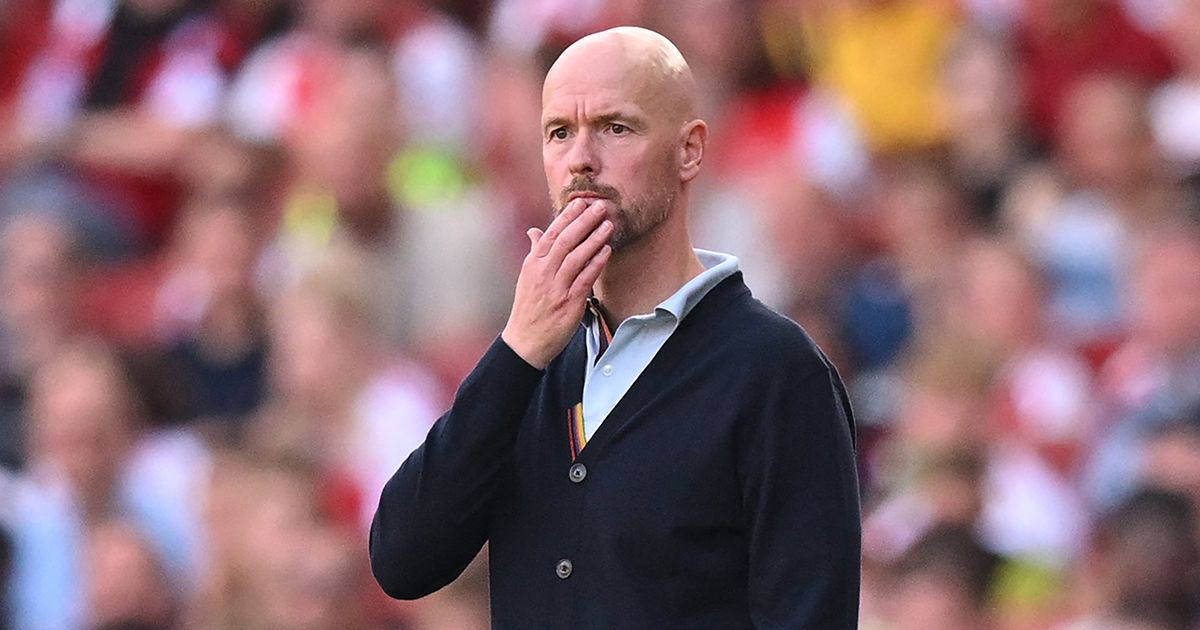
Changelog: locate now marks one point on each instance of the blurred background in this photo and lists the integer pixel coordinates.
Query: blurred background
(248, 248)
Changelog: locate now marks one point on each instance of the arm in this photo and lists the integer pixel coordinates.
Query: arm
(800, 491)
(433, 514)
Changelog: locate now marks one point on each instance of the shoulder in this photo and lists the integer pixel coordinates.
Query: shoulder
(768, 342)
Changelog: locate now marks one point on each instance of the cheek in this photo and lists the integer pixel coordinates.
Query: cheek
(555, 165)
(638, 173)
(662, 165)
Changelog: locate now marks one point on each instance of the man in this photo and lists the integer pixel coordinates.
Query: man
(695, 469)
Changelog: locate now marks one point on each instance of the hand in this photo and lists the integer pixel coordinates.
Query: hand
(556, 279)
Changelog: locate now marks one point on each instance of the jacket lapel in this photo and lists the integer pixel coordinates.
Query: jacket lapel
(663, 369)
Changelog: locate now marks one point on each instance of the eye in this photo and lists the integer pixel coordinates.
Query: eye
(558, 133)
(618, 129)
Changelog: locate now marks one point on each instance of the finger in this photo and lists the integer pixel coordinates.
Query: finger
(579, 257)
(564, 218)
(534, 235)
(575, 233)
(586, 278)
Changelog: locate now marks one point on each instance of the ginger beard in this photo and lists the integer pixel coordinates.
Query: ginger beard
(632, 219)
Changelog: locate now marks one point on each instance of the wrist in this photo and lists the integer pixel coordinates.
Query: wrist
(523, 350)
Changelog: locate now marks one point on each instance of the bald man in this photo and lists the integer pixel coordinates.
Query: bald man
(645, 445)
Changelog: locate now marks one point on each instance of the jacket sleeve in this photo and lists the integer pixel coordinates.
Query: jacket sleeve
(434, 512)
(800, 493)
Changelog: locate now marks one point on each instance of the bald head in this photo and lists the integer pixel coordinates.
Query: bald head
(618, 124)
(640, 60)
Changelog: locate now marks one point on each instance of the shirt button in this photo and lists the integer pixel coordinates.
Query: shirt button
(563, 569)
(607, 370)
(577, 473)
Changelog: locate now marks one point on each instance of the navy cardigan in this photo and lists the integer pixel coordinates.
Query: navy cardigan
(720, 493)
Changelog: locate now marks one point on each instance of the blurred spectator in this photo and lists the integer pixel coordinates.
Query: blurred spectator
(802, 228)
(252, 501)
(511, 178)
(1110, 189)
(945, 490)
(88, 463)
(309, 581)
(342, 400)
(1146, 562)
(942, 583)
(979, 97)
(433, 64)
(348, 194)
(40, 270)
(210, 317)
(778, 116)
(1153, 378)
(277, 562)
(127, 586)
(787, 165)
(1042, 391)
(883, 56)
(1062, 41)
(1175, 106)
(1023, 508)
(1106, 148)
(118, 86)
(1171, 457)
(799, 262)
(718, 38)
(437, 70)
(915, 219)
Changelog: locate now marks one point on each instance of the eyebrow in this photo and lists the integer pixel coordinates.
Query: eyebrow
(556, 122)
(632, 120)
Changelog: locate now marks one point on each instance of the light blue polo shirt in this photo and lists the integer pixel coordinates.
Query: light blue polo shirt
(638, 339)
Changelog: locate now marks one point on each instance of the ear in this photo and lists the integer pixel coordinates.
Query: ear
(691, 149)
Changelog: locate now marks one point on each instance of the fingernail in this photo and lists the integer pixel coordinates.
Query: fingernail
(607, 225)
(597, 208)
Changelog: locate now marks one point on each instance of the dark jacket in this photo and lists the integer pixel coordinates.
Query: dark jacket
(720, 492)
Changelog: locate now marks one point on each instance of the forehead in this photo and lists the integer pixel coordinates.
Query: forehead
(604, 87)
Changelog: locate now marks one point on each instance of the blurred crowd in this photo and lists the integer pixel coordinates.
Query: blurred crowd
(249, 247)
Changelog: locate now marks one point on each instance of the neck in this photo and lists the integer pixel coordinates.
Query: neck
(644, 273)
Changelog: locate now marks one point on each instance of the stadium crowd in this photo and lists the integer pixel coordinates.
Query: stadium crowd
(249, 247)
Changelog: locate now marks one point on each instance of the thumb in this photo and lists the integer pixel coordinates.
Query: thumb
(534, 235)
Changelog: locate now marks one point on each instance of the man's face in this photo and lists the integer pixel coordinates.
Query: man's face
(604, 139)
(80, 409)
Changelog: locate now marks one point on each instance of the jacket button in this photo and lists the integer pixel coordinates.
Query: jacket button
(563, 569)
(577, 473)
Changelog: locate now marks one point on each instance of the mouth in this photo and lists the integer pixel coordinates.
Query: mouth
(585, 195)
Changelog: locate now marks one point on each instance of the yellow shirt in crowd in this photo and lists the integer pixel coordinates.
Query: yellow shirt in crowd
(883, 57)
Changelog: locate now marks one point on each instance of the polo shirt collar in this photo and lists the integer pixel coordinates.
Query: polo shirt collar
(717, 267)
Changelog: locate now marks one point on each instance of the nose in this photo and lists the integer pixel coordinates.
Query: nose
(582, 158)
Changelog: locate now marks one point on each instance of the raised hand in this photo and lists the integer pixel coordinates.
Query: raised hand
(556, 279)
